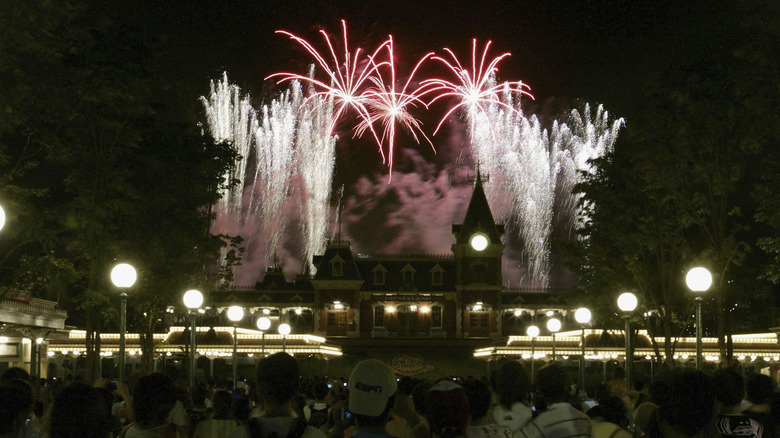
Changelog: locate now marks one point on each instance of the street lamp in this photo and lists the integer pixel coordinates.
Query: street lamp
(627, 302)
(533, 332)
(193, 299)
(235, 314)
(553, 325)
(582, 316)
(123, 276)
(698, 280)
(2, 217)
(284, 330)
(263, 323)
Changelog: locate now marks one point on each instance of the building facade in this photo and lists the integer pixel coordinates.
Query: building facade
(459, 295)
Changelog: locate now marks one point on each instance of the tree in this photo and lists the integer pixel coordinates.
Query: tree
(177, 174)
(111, 169)
(691, 162)
(633, 240)
(717, 107)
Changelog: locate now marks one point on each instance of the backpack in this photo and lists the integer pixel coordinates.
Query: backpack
(318, 417)
(255, 430)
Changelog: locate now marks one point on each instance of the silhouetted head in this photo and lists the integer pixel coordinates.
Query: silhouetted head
(154, 396)
(511, 384)
(277, 378)
(79, 411)
(551, 382)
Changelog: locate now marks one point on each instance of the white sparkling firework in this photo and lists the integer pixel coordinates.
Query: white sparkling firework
(291, 137)
(586, 138)
(527, 162)
(317, 156)
(532, 169)
(232, 119)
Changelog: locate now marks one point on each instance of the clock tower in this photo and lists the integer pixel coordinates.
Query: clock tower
(478, 255)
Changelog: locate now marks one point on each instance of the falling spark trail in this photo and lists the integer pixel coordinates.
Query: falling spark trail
(388, 106)
(476, 89)
(291, 136)
(347, 80)
(530, 161)
(230, 118)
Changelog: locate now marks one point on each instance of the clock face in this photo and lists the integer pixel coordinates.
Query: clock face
(479, 241)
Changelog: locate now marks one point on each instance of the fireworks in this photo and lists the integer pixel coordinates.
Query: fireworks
(476, 89)
(292, 169)
(532, 169)
(347, 78)
(387, 106)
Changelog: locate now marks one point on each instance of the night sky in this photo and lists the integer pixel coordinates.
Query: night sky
(569, 52)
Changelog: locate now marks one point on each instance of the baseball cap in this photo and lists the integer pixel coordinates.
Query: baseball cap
(371, 385)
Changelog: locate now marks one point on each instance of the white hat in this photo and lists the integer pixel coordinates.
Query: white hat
(371, 385)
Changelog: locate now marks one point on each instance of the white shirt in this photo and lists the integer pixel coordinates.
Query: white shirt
(560, 419)
(515, 418)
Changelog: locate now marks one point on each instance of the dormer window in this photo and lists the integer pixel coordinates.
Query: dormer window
(437, 275)
(407, 274)
(337, 266)
(379, 275)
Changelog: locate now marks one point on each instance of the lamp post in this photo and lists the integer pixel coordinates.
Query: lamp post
(284, 330)
(123, 276)
(698, 280)
(553, 325)
(263, 323)
(533, 332)
(235, 314)
(193, 299)
(582, 316)
(627, 302)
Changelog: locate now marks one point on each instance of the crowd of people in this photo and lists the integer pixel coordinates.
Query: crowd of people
(374, 403)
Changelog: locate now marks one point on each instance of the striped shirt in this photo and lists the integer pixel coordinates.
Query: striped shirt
(739, 425)
(560, 420)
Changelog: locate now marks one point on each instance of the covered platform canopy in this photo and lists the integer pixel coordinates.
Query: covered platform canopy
(610, 344)
(211, 342)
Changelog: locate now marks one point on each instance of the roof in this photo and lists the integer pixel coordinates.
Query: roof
(478, 217)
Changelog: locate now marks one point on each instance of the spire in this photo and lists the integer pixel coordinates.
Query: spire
(478, 216)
